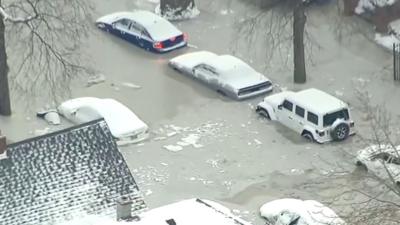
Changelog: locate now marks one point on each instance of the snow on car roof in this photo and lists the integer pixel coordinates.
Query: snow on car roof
(120, 119)
(159, 28)
(311, 211)
(317, 101)
(228, 63)
(186, 212)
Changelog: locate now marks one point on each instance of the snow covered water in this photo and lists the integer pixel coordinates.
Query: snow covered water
(204, 145)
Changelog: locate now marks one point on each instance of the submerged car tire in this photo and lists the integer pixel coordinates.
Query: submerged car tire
(361, 165)
(263, 112)
(340, 132)
(308, 136)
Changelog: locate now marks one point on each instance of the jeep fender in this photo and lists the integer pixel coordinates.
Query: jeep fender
(311, 130)
(269, 109)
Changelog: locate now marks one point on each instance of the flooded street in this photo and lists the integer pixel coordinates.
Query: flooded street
(205, 145)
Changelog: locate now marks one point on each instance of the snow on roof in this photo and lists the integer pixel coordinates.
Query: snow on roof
(317, 101)
(186, 212)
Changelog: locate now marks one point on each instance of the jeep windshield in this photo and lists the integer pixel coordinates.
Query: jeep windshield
(330, 118)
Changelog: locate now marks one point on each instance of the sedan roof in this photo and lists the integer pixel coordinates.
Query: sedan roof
(227, 63)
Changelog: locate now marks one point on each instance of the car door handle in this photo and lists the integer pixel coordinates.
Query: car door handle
(301, 123)
(290, 117)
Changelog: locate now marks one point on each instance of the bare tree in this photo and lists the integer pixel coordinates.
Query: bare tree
(177, 7)
(42, 38)
(273, 22)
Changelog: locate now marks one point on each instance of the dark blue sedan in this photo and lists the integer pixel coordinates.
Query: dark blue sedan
(144, 29)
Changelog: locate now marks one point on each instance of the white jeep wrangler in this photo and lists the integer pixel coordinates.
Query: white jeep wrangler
(314, 114)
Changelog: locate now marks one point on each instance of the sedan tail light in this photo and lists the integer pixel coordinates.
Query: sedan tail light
(185, 37)
(158, 45)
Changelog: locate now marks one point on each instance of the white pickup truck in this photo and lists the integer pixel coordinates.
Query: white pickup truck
(314, 114)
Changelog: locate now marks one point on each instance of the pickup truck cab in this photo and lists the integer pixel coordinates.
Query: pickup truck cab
(312, 113)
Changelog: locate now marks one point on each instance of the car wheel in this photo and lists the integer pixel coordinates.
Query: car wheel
(340, 132)
(308, 136)
(398, 183)
(221, 92)
(361, 165)
(263, 112)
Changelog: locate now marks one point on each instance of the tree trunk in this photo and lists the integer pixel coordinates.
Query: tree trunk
(176, 6)
(299, 22)
(5, 107)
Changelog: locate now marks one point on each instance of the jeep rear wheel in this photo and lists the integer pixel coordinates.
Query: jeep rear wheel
(308, 136)
(340, 132)
(263, 112)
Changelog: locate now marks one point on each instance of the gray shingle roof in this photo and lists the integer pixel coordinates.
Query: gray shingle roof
(64, 175)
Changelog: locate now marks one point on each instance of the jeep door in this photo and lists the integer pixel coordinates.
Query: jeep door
(299, 119)
(287, 115)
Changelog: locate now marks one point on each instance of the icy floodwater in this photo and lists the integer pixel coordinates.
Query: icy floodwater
(204, 145)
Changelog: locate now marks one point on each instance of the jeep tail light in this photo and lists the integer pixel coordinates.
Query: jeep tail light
(185, 37)
(351, 124)
(158, 45)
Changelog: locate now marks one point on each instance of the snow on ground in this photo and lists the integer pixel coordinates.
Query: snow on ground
(172, 15)
(370, 5)
(387, 41)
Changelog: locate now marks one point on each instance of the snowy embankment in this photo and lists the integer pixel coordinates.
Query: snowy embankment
(370, 5)
(387, 41)
(172, 14)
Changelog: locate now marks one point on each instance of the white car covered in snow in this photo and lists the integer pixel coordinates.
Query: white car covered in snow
(290, 211)
(382, 161)
(226, 74)
(314, 114)
(124, 125)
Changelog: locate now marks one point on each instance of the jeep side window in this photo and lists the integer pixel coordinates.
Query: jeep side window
(288, 105)
(300, 111)
(311, 117)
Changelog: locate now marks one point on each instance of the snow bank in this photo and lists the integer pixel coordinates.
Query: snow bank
(386, 41)
(189, 13)
(370, 5)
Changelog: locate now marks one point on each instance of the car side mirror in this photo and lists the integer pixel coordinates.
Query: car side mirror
(280, 107)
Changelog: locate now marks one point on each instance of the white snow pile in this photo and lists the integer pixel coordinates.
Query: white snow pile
(95, 79)
(308, 212)
(186, 212)
(172, 14)
(370, 5)
(386, 41)
(394, 27)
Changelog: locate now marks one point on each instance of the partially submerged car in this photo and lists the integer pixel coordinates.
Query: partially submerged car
(124, 125)
(382, 161)
(291, 211)
(226, 74)
(144, 29)
(314, 114)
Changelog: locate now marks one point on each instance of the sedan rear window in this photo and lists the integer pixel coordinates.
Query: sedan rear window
(330, 118)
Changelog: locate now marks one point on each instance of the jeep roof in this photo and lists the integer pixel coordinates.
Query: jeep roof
(316, 101)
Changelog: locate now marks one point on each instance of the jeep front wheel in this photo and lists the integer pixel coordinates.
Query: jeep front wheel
(340, 132)
(308, 136)
(263, 112)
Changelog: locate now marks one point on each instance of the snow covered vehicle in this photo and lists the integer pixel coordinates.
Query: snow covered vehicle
(144, 29)
(314, 114)
(124, 125)
(382, 161)
(290, 211)
(226, 74)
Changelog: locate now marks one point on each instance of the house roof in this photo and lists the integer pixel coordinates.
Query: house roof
(186, 212)
(65, 175)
